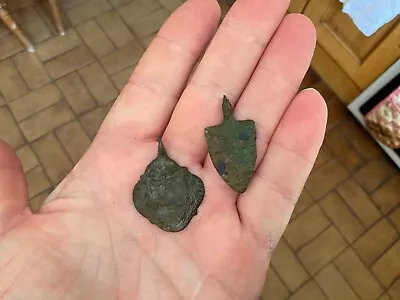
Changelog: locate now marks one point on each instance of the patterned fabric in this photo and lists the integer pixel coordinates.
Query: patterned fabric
(384, 120)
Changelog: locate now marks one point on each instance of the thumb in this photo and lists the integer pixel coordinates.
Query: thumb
(13, 190)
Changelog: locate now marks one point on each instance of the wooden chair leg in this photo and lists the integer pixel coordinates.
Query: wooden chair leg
(6, 17)
(57, 16)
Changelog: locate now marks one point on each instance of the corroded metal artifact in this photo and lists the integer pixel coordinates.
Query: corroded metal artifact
(167, 194)
(232, 147)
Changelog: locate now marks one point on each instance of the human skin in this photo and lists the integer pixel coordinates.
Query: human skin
(89, 242)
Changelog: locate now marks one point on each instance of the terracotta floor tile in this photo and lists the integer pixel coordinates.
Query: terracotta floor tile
(35, 101)
(53, 157)
(288, 266)
(4, 31)
(44, 10)
(326, 178)
(307, 226)
(150, 23)
(394, 290)
(31, 70)
(358, 276)
(343, 150)
(115, 28)
(32, 24)
(66, 4)
(69, 62)
(117, 3)
(37, 181)
(36, 202)
(98, 84)
(122, 77)
(171, 5)
(58, 45)
(11, 84)
(74, 140)
(123, 58)
(76, 93)
(9, 46)
(145, 42)
(388, 195)
(334, 285)
(18, 4)
(373, 243)
(310, 79)
(137, 9)
(324, 155)
(395, 218)
(309, 291)
(360, 139)
(322, 250)
(9, 131)
(92, 120)
(341, 215)
(274, 289)
(86, 10)
(359, 202)
(387, 268)
(384, 297)
(337, 113)
(304, 202)
(325, 91)
(374, 173)
(27, 157)
(46, 120)
(95, 38)
(2, 101)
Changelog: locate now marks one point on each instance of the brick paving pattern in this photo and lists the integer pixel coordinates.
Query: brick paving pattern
(343, 239)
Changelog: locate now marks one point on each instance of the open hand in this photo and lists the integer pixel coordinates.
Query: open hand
(89, 242)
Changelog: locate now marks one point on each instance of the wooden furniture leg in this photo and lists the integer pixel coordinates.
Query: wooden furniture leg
(6, 17)
(57, 16)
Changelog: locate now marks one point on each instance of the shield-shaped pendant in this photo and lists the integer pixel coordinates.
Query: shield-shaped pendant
(232, 147)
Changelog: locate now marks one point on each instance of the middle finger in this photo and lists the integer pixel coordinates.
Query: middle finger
(224, 70)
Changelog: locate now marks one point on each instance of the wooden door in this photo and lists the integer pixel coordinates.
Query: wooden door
(362, 59)
(297, 6)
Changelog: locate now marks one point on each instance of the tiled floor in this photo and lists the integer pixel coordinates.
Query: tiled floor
(343, 240)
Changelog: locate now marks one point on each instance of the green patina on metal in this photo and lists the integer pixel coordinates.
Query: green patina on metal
(232, 147)
(167, 194)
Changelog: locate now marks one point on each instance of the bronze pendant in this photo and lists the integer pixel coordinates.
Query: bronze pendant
(167, 194)
(232, 147)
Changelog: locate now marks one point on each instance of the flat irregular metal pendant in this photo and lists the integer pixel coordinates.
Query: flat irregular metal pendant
(167, 194)
(232, 147)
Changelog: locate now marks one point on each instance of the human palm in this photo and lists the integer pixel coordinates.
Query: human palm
(89, 242)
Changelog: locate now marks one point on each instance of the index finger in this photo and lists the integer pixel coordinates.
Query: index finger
(145, 105)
